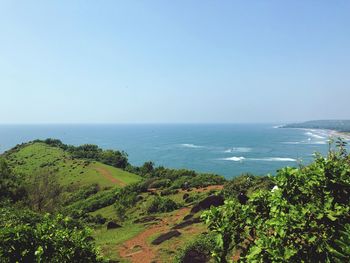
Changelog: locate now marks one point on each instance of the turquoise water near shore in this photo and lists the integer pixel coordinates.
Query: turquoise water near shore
(226, 149)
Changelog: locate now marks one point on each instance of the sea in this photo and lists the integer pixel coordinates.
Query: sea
(224, 149)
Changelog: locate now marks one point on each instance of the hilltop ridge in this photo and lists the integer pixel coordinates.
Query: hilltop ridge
(336, 125)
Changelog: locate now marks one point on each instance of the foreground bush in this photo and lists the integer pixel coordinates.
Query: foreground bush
(43, 239)
(301, 220)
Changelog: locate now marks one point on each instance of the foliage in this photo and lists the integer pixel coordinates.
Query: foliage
(10, 184)
(169, 192)
(114, 158)
(160, 183)
(82, 193)
(246, 183)
(44, 192)
(341, 247)
(197, 251)
(161, 205)
(298, 221)
(126, 198)
(46, 239)
(92, 203)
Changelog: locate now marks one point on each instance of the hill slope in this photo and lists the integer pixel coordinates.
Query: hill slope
(36, 157)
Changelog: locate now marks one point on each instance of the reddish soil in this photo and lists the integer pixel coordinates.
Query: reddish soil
(106, 174)
(137, 249)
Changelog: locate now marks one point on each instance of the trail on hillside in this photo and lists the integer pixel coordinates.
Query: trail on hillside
(107, 174)
(137, 249)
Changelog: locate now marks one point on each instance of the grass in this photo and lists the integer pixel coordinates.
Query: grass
(36, 157)
(106, 212)
(109, 240)
(126, 177)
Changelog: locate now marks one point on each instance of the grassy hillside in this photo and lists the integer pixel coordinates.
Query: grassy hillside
(131, 214)
(36, 157)
(133, 241)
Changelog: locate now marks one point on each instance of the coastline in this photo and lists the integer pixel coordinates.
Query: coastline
(343, 135)
(330, 133)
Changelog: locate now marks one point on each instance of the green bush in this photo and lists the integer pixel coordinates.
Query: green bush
(197, 251)
(168, 192)
(11, 187)
(161, 205)
(46, 239)
(298, 221)
(160, 183)
(246, 183)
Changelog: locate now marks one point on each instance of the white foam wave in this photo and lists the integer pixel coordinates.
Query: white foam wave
(319, 142)
(266, 159)
(190, 145)
(307, 142)
(274, 159)
(317, 136)
(238, 149)
(234, 158)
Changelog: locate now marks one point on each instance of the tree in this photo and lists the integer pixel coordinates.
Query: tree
(44, 192)
(10, 184)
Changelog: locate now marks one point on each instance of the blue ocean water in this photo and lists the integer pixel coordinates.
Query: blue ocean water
(225, 149)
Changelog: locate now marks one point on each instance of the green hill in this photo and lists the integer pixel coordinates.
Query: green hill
(36, 157)
(336, 125)
(135, 214)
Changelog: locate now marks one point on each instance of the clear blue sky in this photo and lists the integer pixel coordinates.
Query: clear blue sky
(174, 61)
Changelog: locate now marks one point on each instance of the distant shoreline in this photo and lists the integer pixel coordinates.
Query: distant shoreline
(332, 133)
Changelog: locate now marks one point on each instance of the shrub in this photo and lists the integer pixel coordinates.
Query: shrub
(197, 251)
(168, 192)
(246, 183)
(298, 221)
(161, 183)
(161, 205)
(51, 239)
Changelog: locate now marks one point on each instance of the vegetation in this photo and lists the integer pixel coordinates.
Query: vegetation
(117, 159)
(300, 220)
(337, 125)
(52, 194)
(36, 238)
(197, 250)
(161, 205)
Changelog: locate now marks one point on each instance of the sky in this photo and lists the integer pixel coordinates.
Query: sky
(174, 61)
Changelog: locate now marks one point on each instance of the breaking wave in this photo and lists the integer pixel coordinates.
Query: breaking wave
(190, 145)
(274, 159)
(234, 158)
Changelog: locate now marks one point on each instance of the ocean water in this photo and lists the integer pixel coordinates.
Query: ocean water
(225, 149)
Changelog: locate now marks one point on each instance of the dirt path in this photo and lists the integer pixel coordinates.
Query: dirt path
(107, 174)
(137, 250)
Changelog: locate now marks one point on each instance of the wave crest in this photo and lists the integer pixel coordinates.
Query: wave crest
(234, 158)
(274, 159)
(190, 145)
